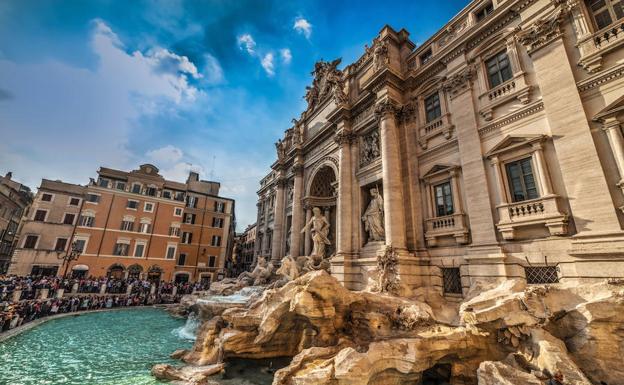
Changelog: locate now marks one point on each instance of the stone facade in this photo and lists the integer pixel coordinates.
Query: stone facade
(495, 149)
(14, 201)
(47, 228)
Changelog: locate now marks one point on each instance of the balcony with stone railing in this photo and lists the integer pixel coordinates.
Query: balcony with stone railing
(515, 88)
(543, 211)
(453, 225)
(439, 126)
(593, 46)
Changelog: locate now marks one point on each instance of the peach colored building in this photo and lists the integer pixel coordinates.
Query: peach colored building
(139, 224)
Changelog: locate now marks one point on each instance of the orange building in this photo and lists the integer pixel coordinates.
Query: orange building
(137, 224)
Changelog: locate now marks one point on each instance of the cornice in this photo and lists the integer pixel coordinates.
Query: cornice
(601, 78)
(523, 113)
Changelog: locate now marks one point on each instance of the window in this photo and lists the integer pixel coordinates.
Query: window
(432, 107)
(40, 215)
(86, 220)
(74, 201)
(69, 219)
(121, 249)
(605, 12)
(187, 238)
(174, 231)
(521, 181)
(177, 211)
(136, 188)
(451, 279)
(121, 186)
(127, 225)
(80, 245)
(191, 201)
(541, 274)
(139, 248)
(189, 218)
(166, 194)
(443, 199)
(425, 57)
(212, 260)
(220, 207)
(46, 197)
(93, 198)
(179, 196)
(171, 250)
(151, 191)
(148, 207)
(181, 259)
(216, 240)
(132, 204)
(498, 69)
(217, 222)
(31, 241)
(484, 12)
(60, 245)
(144, 228)
(103, 182)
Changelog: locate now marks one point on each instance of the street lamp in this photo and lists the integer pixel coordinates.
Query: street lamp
(71, 256)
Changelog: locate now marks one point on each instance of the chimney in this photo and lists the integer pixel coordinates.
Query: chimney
(9, 175)
(193, 177)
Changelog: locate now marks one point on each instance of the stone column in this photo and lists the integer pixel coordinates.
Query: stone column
(542, 169)
(611, 126)
(308, 240)
(478, 207)
(129, 289)
(392, 182)
(297, 212)
(153, 289)
(60, 293)
(174, 291)
(455, 190)
(500, 186)
(103, 289)
(587, 190)
(344, 138)
(43, 293)
(277, 244)
(74, 288)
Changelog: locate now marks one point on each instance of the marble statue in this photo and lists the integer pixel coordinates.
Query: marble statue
(260, 274)
(319, 228)
(373, 217)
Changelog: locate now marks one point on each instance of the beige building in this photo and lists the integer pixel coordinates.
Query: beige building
(14, 200)
(47, 228)
(493, 150)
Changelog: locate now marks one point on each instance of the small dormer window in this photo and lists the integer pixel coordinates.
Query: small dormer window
(103, 182)
(484, 12)
(136, 188)
(425, 57)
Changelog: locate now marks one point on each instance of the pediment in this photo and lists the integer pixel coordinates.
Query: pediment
(613, 109)
(511, 142)
(439, 169)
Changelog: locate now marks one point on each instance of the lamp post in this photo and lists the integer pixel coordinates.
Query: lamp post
(71, 256)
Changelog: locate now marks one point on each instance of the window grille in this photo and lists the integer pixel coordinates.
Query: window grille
(451, 278)
(541, 274)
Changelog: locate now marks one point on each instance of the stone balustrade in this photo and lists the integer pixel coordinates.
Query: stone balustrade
(515, 89)
(543, 211)
(453, 225)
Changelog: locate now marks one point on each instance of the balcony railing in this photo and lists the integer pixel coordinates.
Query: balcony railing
(593, 47)
(453, 225)
(515, 88)
(543, 211)
(440, 126)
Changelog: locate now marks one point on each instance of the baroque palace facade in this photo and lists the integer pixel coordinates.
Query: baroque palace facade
(493, 150)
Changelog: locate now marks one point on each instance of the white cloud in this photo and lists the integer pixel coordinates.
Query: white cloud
(165, 155)
(267, 64)
(212, 70)
(286, 55)
(303, 26)
(246, 42)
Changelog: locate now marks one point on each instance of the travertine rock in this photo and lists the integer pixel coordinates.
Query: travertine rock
(499, 373)
(188, 375)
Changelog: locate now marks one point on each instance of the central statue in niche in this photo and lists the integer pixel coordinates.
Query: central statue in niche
(319, 229)
(373, 217)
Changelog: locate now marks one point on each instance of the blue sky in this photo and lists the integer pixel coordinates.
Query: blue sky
(204, 85)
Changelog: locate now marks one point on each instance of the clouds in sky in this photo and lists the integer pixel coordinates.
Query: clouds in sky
(303, 27)
(286, 55)
(246, 41)
(267, 64)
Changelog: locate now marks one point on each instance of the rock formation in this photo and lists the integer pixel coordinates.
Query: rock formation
(505, 334)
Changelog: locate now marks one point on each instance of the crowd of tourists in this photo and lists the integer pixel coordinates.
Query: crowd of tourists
(80, 294)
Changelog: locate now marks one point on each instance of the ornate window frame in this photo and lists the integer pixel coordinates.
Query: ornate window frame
(543, 210)
(440, 126)
(453, 225)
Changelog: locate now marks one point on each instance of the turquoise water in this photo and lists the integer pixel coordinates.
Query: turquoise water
(106, 348)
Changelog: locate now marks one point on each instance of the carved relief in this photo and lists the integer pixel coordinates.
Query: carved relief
(386, 108)
(380, 55)
(460, 81)
(328, 80)
(388, 280)
(369, 148)
(544, 30)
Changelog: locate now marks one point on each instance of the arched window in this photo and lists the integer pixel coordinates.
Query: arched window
(322, 184)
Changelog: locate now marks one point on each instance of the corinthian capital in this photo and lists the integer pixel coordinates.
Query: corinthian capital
(344, 137)
(546, 29)
(386, 108)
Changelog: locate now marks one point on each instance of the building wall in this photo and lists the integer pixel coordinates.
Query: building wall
(65, 199)
(15, 199)
(557, 109)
